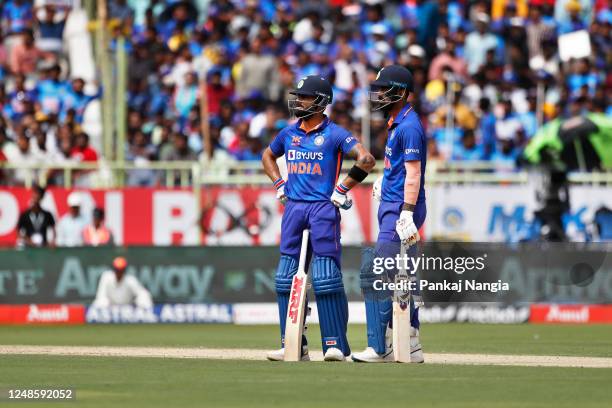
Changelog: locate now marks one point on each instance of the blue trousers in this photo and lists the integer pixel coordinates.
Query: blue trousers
(323, 220)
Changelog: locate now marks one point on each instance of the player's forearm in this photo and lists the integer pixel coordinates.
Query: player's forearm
(269, 164)
(412, 183)
(364, 161)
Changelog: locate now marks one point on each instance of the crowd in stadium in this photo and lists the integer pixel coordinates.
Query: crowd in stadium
(476, 66)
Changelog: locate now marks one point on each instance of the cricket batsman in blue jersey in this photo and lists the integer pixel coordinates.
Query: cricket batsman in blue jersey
(402, 207)
(314, 148)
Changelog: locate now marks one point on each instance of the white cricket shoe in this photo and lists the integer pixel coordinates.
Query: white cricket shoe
(279, 355)
(334, 354)
(416, 350)
(371, 356)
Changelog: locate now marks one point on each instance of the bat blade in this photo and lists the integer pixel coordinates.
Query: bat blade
(294, 326)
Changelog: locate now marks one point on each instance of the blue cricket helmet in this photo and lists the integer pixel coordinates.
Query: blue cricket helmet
(392, 83)
(312, 85)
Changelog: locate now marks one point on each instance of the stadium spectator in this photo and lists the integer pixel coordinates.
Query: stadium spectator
(118, 288)
(180, 151)
(141, 152)
(97, 234)
(447, 59)
(23, 156)
(74, 99)
(82, 151)
(251, 53)
(257, 71)
(17, 16)
(70, 227)
(36, 226)
(478, 42)
(50, 89)
(50, 22)
(25, 55)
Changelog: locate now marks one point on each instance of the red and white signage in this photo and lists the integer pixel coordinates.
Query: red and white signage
(570, 313)
(223, 216)
(42, 314)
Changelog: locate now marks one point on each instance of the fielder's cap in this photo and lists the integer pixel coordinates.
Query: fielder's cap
(314, 85)
(74, 199)
(394, 75)
(119, 263)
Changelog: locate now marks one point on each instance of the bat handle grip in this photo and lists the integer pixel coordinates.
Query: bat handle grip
(304, 250)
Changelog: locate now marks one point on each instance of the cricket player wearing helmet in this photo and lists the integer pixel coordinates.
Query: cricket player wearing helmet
(314, 148)
(402, 206)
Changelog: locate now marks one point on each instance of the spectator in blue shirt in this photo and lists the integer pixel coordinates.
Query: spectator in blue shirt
(51, 90)
(468, 150)
(76, 100)
(17, 16)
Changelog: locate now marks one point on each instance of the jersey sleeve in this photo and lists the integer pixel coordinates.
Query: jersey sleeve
(345, 141)
(278, 144)
(412, 138)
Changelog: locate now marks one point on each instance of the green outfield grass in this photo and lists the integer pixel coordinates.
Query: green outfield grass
(153, 382)
(568, 340)
(144, 382)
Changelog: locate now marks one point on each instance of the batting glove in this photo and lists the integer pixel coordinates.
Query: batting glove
(280, 191)
(406, 229)
(377, 189)
(339, 197)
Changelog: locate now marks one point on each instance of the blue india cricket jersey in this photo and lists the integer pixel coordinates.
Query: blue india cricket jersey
(406, 141)
(313, 159)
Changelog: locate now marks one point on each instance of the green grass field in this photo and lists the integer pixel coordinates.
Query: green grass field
(156, 382)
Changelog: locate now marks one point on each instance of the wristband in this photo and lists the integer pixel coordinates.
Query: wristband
(279, 183)
(408, 207)
(357, 174)
(342, 189)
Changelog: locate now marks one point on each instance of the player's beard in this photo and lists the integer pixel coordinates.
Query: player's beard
(302, 113)
(386, 110)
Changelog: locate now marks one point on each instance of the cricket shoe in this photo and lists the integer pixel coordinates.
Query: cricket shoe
(416, 350)
(279, 355)
(371, 356)
(334, 354)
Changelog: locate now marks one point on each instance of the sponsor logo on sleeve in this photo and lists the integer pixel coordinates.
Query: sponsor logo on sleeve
(410, 150)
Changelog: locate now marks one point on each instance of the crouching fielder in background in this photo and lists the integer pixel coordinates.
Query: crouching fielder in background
(402, 208)
(313, 149)
(117, 288)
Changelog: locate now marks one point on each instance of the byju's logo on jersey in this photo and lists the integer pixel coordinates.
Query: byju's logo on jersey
(297, 155)
(304, 162)
(296, 141)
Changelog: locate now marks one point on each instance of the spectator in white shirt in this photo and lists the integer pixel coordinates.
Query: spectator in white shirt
(117, 288)
(70, 227)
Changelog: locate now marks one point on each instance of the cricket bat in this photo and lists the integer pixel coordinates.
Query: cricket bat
(294, 326)
(401, 315)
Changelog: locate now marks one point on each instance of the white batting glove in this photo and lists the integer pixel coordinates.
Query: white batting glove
(340, 199)
(406, 229)
(280, 191)
(377, 189)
